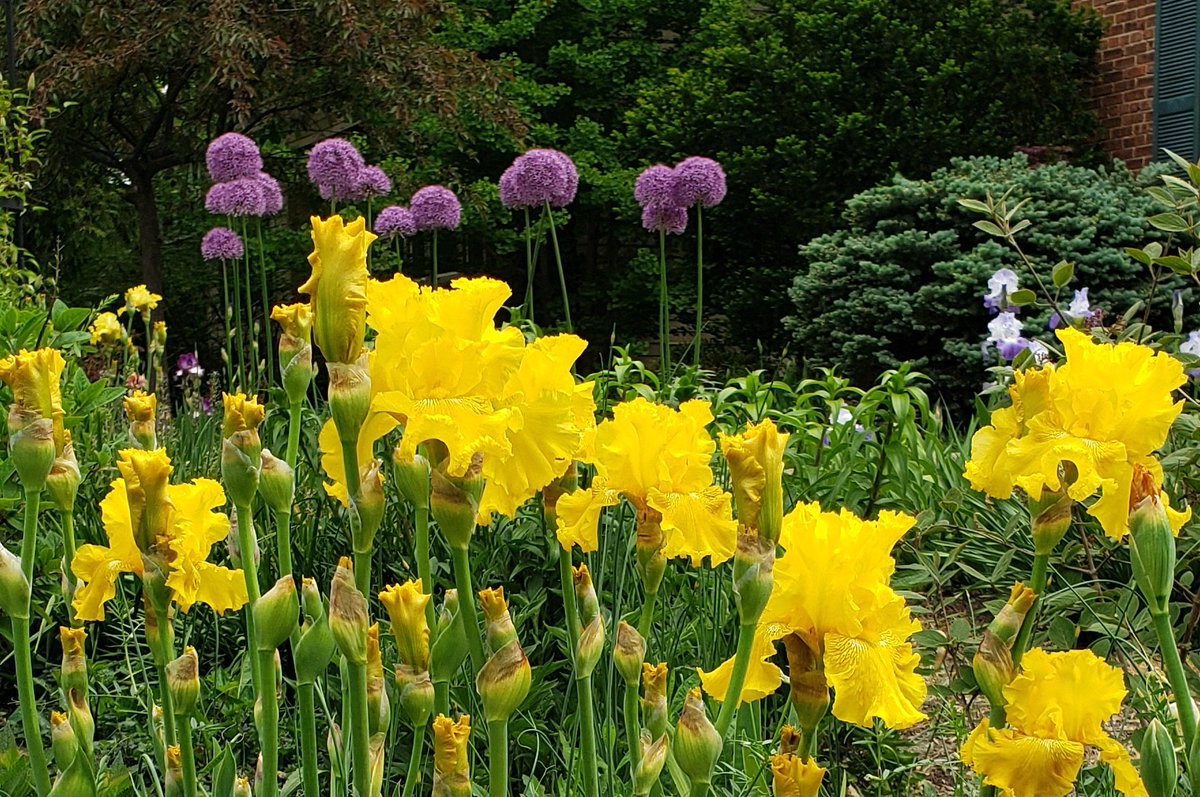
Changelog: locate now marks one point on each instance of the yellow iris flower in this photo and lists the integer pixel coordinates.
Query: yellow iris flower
(140, 299)
(374, 427)
(659, 459)
(792, 776)
(831, 595)
(106, 330)
(1106, 409)
(1056, 708)
(192, 527)
(443, 370)
(33, 377)
(338, 286)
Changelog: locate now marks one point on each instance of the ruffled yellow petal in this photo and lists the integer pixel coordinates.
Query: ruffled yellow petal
(219, 588)
(755, 460)
(337, 286)
(696, 524)
(106, 330)
(873, 674)
(792, 776)
(139, 299)
(195, 527)
(992, 468)
(762, 677)
(294, 319)
(376, 426)
(1023, 766)
(578, 516)
(1125, 775)
(97, 569)
(33, 377)
(1069, 694)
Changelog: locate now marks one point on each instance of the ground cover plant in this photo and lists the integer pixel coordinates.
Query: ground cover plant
(395, 542)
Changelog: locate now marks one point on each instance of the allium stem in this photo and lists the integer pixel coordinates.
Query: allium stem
(528, 267)
(227, 346)
(562, 279)
(1176, 675)
(435, 260)
(664, 323)
(467, 613)
(23, 652)
(414, 762)
(266, 302)
(699, 283)
(308, 738)
(269, 735)
(68, 533)
(498, 758)
(587, 733)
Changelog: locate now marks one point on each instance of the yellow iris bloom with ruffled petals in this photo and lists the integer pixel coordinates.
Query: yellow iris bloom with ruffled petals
(1106, 409)
(1056, 707)
(193, 527)
(106, 330)
(338, 286)
(139, 299)
(792, 776)
(33, 377)
(659, 459)
(831, 591)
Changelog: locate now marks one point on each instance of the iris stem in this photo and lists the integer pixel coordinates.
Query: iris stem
(414, 762)
(293, 441)
(424, 565)
(562, 279)
(360, 739)
(646, 619)
(187, 754)
(246, 544)
(166, 704)
(1176, 675)
(308, 738)
(737, 678)
(269, 737)
(23, 651)
(68, 532)
(498, 758)
(699, 282)
(1041, 563)
(468, 614)
(587, 730)
(632, 727)
(571, 613)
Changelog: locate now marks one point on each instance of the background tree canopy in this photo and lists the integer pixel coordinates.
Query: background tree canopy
(804, 102)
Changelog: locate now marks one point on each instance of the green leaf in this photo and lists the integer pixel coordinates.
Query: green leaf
(1063, 273)
(1168, 222)
(223, 779)
(1175, 263)
(1023, 297)
(989, 227)
(975, 205)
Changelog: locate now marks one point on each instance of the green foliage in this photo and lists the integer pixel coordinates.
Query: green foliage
(903, 280)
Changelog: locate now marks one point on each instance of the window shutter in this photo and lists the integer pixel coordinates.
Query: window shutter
(1176, 78)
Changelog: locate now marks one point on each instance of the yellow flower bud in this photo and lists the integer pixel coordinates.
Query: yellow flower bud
(1151, 542)
(337, 286)
(349, 397)
(753, 575)
(348, 614)
(35, 421)
(62, 483)
(697, 743)
(1008, 621)
(81, 720)
(649, 764)
(275, 614)
(505, 678)
(242, 788)
(1049, 519)
(62, 740)
(591, 637)
(755, 460)
(790, 740)
(416, 694)
(648, 545)
(241, 448)
(74, 661)
(295, 349)
(454, 502)
(276, 482)
(405, 604)
(809, 689)
(370, 505)
(629, 652)
(183, 682)
(654, 698)
(451, 765)
(412, 479)
(793, 776)
(160, 335)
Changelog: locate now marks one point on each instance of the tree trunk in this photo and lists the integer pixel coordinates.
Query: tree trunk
(141, 194)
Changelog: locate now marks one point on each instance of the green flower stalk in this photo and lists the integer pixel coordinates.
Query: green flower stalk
(183, 682)
(412, 478)
(311, 654)
(503, 684)
(454, 504)
(629, 654)
(349, 624)
(587, 656)
(650, 564)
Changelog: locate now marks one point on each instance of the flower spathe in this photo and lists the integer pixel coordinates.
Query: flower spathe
(831, 592)
(1056, 707)
(659, 459)
(337, 286)
(1104, 410)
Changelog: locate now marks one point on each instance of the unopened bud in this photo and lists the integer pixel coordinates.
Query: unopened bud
(412, 479)
(183, 682)
(1158, 766)
(505, 678)
(416, 694)
(1008, 621)
(650, 562)
(276, 482)
(755, 460)
(1049, 519)
(1151, 542)
(993, 668)
(379, 711)
(140, 410)
(14, 587)
(62, 484)
(295, 349)
(753, 575)
(451, 764)
(697, 743)
(241, 447)
(654, 698)
(591, 636)
(809, 690)
(241, 788)
(31, 445)
(348, 614)
(349, 398)
(629, 652)
(275, 614)
(174, 779)
(375, 753)
(62, 740)
(405, 604)
(790, 740)
(649, 763)
(793, 776)
(316, 646)
(370, 502)
(74, 660)
(450, 646)
(454, 502)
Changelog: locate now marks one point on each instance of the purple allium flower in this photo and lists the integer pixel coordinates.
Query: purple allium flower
(188, 364)
(699, 181)
(395, 220)
(435, 207)
(655, 186)
(232, 156)
(221, 243)
(333, 165)
(242, 197)
(371, 181)
(272, 194)
(1001, 285)
(671, 219)
(537, 177)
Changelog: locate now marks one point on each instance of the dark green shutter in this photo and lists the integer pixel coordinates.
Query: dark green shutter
(1176, 79)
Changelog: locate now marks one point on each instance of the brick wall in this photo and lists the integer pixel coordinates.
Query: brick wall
(1123, 97)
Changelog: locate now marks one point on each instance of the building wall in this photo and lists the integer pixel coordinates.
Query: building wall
(1123, 96)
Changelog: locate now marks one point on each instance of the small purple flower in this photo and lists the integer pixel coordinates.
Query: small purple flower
(1191, 346)
(655, 186)
(333, 165)
(699, 181)
(188, 364)
(435, 207)
(371, 181)
(221, 243)
(1005, 334)
(538, 177)
(1001, 286)
(232, 156)
(244, 196)
(668, 218)
(272, 194)
(395, 220)
(1079, 310)
(206, 405)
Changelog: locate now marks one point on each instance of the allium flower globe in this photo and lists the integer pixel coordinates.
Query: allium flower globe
(538, 177)
(371, 181)
(232, 156)
(655, 186)
(244, 196)
(435, 207)
(221, 243)
(668, 218)
(395, 220)
(699, 181)
(272, 194)
(333, 166)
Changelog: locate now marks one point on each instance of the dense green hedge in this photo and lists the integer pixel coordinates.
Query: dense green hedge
(903, 279)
